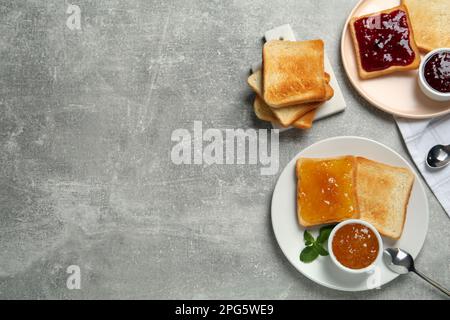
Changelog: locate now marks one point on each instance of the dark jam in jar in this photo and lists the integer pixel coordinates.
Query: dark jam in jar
(437, 71)
(383, 41)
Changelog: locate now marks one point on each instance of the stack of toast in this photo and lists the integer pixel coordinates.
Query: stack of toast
(292, 83)
(336, 189)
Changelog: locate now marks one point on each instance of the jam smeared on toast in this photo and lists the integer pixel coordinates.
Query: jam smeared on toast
(384, 41)
(326, 190)
(437, 71)
(355, 246)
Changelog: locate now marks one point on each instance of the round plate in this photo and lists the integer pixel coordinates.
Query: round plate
(289, 233)
(397, 93)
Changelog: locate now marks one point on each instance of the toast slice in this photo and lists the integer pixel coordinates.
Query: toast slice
(430, 22)
(263, 112)
(305, 121)
(288, 116)
(384, 55)
(326, 190)
(255, 82)
(383, 193)
(293, 72)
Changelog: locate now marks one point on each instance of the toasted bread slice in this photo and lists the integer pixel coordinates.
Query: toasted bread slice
(305, 121)
(431, 23)
(394, 66)
(383, 193)
(255, 82)
(263, 112)
(293, 72)
(287, 116)
(326, 190)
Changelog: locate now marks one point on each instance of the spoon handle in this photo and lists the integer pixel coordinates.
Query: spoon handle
(432, 282)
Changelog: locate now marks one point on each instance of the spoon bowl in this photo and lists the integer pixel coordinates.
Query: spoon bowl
(398, 260)
(438, 156)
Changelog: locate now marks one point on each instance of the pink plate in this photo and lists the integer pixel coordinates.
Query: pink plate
(398, 93)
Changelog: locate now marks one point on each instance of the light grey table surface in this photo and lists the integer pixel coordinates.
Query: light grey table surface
(85, 136)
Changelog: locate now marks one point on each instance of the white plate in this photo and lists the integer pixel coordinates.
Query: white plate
(290, 235)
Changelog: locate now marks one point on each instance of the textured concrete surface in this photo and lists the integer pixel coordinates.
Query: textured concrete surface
(86, 118)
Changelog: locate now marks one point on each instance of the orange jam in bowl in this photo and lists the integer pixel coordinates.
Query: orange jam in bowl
(355, 245)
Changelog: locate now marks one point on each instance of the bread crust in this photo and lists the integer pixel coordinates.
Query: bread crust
(305, 121)
(263, 112)
(373, 74)
(299, 214)
(288, 116)
(293, 72)
(255, 82)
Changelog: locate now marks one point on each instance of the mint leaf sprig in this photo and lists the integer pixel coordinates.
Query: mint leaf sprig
(314, 247)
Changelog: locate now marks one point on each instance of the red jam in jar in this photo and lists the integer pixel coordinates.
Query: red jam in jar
(437, 71)
(384, 41)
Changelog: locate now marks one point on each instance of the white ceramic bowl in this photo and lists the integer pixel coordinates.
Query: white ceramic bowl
(423, 84)
(340, 265)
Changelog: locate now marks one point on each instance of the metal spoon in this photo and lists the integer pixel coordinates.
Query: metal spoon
(438, 156)
(402, 262)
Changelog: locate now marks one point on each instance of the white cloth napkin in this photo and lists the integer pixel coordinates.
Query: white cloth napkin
(420, 137)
